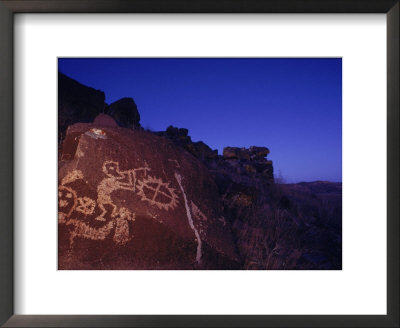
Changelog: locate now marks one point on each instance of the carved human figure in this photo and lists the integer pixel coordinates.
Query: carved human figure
(153, 190)
(121, 234)
(116, 179)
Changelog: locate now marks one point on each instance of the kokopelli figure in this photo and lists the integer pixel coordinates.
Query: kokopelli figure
(116, 179)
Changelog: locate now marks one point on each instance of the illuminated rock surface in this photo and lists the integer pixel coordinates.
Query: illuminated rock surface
(133, 200)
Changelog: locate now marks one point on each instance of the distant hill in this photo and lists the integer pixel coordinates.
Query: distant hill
(319, 187)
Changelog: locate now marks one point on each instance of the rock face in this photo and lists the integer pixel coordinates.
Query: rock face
(253, 153)
(125, 113)
(129, 199)
(105, 120)
(249, 163)
(237, 164)
(273, 226)
(245, 180)
(181, 138)
(77, 103)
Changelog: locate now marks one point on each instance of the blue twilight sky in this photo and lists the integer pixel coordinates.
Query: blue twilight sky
(293, 106)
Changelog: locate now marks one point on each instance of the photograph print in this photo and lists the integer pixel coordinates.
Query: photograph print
(199, 164)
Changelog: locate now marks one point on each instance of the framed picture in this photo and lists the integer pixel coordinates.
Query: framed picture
(137, 188)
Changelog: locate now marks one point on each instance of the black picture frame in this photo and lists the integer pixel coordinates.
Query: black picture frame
(10, 7)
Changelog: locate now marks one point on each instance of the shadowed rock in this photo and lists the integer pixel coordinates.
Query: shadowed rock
(253, 153)
(77, 103)
(180, 137)
(258, 153)
(105, 120)
(125, 112)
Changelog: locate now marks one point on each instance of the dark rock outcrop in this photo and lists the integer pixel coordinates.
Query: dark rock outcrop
(274, 226)
(129, 199)
(242, 165)
(77, 103)
(249, 163)
(105, 120)
(245, 180)
(125, 113)
(180, 137)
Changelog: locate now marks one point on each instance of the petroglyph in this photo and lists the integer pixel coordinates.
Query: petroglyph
(81, 148)
(200, 216)
(126, 179)
(121, 235)
(158, 193)
(67, 199)
(150, 189)
(116, 180)
(83, 230)
(96, 134)
(138, 174)
(71, 177)
(197, 213)
(63, 203)
(86, 205)
(190, 219)
(69, 202)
